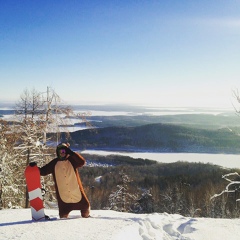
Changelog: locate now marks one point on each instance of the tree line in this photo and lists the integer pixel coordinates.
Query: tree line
(181, 187)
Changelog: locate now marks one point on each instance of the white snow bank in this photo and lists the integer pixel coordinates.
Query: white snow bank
(106, 224)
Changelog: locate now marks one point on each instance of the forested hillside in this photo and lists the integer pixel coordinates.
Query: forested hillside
(181, 187)
(158, 137)
(205, 121)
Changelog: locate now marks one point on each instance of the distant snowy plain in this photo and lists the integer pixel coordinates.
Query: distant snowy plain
(223, 160)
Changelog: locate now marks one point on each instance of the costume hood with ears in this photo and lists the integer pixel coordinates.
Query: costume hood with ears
(59, 147)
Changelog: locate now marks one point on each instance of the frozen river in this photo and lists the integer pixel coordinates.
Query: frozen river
(224, 160)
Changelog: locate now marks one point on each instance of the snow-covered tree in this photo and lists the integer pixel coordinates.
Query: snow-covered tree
(11, 188)
(38, 113)
(146, 202)
(172, 199)
(122, 200)
(230, 195)
(233, 186)
(45, 110)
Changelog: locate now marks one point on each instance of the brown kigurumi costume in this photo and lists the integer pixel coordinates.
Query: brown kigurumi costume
(69, 190)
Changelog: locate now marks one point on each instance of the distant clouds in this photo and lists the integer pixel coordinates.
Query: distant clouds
(218, 22)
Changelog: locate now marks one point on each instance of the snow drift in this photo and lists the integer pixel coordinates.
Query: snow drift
(106, 225)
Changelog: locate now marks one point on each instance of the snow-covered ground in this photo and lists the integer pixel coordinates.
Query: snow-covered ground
(106, 224)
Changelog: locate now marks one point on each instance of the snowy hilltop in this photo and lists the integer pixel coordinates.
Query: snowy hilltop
(107, 224)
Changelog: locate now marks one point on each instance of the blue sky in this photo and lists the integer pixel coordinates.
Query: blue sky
(164, 53)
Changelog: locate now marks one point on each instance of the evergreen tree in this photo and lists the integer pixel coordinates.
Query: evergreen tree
(146, 202)
(122, 200)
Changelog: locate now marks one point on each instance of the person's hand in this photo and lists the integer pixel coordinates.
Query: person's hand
(69, 151)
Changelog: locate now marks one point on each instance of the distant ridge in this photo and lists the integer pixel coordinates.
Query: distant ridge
(158, 137)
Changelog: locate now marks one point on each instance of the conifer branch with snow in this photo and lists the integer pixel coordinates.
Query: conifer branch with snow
(231, 187)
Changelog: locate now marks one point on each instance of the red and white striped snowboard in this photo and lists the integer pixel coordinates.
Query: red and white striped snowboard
(32, 175)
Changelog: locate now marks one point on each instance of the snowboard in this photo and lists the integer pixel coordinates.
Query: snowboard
(32, 175)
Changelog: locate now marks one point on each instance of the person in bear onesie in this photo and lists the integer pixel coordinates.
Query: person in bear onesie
(69, 190)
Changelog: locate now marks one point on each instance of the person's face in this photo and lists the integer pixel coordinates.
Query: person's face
(62, 152)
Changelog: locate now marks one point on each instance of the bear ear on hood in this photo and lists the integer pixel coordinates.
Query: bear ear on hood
(62, 145)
